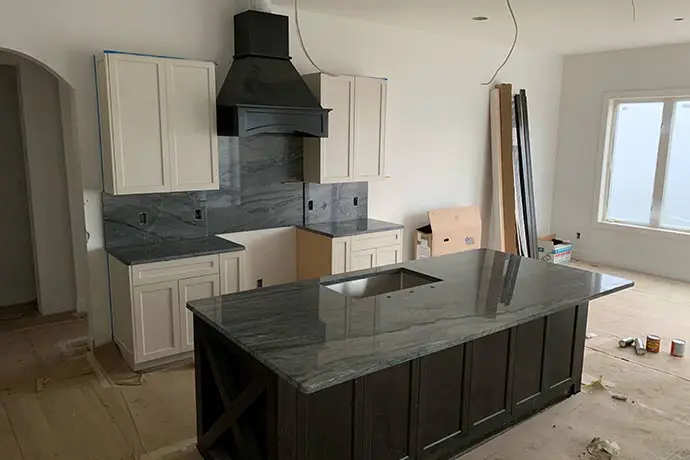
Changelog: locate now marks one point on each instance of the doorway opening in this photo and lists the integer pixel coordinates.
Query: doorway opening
(18, 294)
(37, 267)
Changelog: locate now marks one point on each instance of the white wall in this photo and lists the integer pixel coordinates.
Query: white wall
(47, 186)
(17, 282)
(586, 78)
(438, 140)
(75, 193)
(438, 144)
(50, 215)
(271, 255)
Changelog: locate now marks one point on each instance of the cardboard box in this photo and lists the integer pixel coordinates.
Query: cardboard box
(552, 249)
(449, 231)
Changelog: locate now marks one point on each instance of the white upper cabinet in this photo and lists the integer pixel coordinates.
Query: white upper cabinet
(158, 124)
(354, 148)
(192, 120)
(370, 127)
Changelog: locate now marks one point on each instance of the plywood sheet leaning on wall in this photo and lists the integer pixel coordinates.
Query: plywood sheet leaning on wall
(503, 226)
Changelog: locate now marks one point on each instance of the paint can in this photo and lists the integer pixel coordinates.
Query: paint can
(626, 342)
(639, 347)
(678, 348)
(653, 343)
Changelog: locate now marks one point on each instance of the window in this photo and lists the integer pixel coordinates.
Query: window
(647, 163)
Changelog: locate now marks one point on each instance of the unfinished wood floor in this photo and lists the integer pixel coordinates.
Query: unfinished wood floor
(53, 405)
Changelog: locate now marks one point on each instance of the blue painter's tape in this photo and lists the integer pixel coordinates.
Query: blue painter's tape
(144, 54)
(150, 55)
(100, 154)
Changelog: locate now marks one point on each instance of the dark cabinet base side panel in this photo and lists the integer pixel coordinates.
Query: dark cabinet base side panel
(431, 408)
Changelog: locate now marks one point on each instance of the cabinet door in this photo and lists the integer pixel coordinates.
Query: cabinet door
(191, 101)
(388, 256)
(231, 273)
(201, 287)
(370, 119)
(138, 123)
(338, 94)
(341, 255)
(361, 260)
(156, 321)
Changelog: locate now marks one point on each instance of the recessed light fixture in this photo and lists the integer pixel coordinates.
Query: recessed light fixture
(480, 18)
(679, 19)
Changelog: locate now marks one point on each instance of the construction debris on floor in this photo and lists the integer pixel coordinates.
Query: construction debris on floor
(90, 406)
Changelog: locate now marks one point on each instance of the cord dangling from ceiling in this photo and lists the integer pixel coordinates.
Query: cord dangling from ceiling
(634, 10)
(512, 47)
(304, 48)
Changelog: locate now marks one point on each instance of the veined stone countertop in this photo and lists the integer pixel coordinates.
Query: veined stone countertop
(351, 227)
(315, 337)
(172, 249)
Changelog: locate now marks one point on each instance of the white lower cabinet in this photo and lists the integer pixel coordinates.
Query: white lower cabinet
(151, 322)
(362, 260)
(319, 255)
(156, 320)
(340, 262)
(388, 256)
(232, 276)
(201, 287)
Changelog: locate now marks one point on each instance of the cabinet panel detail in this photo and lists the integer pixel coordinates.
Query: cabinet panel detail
(489, 377)
(441, 386)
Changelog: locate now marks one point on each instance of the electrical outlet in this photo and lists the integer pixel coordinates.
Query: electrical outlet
(579, 235)
(310, 205)
(143, 218)
(198, 214)
(355, 201)
(260, 283)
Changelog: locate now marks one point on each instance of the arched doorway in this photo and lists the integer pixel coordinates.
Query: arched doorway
(54, 192)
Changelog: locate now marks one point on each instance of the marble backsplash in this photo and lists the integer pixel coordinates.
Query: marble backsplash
(335, 202)
(260, 187)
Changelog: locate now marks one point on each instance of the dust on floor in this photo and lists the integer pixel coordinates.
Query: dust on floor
(54, 403)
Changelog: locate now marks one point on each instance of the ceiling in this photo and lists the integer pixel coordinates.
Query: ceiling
(564, 26)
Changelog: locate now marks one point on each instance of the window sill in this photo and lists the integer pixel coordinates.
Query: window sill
(666, 233)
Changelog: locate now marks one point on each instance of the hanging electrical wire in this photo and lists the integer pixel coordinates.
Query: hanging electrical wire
(304, 48)
(634, 10)
(512, 47)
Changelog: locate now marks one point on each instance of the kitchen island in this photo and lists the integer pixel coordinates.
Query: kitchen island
(420, 360)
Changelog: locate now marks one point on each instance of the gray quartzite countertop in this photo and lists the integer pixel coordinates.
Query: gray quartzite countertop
(351, 227)
(316, 338)
(172, 249)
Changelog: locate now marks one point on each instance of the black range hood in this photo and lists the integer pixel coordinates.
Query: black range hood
(263, 92)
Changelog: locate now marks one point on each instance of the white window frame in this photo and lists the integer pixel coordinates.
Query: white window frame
(611, 103)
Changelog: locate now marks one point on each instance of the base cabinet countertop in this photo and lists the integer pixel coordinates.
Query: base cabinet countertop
(293, 372)
(172, 249)
(341, 247)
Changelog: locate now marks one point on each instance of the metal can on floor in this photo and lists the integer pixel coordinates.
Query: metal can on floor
(653, 343)
(678, 348)
(639, 347)
(626, 342)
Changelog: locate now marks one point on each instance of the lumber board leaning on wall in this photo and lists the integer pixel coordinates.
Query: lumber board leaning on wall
(503, 224)
(498, 234)
(508, 173)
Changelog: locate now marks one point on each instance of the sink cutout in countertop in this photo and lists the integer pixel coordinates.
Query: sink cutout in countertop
(374, 284)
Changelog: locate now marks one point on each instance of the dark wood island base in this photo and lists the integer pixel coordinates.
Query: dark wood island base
(433, 407)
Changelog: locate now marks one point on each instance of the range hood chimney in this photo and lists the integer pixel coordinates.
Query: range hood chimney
(263, 92)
